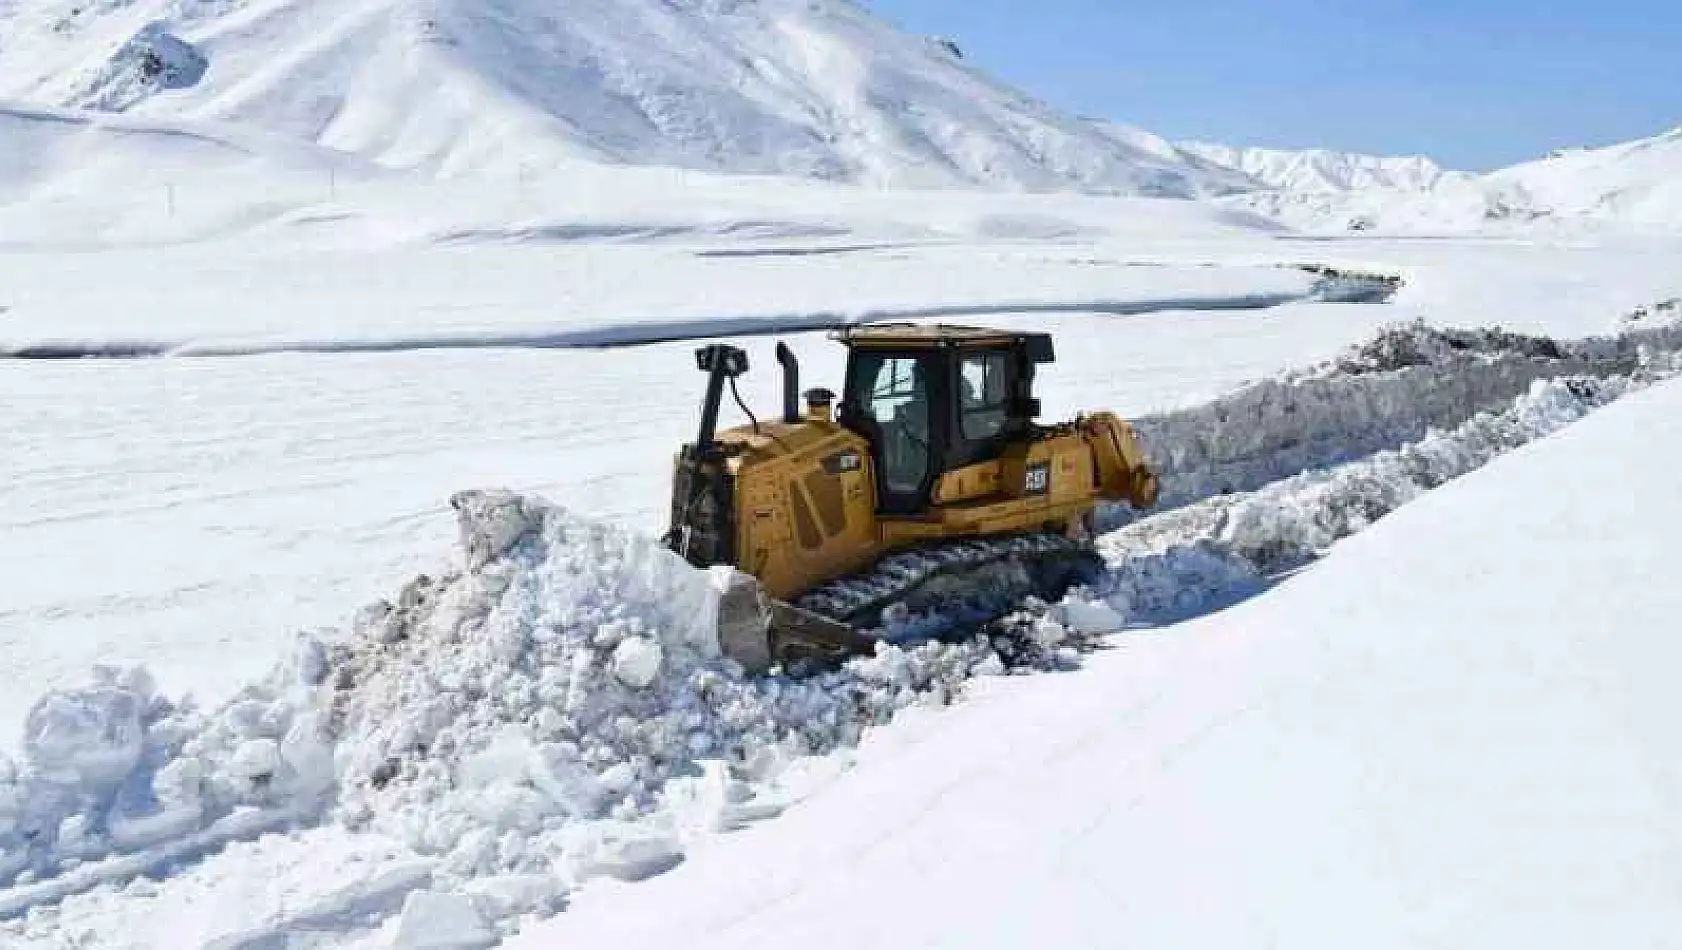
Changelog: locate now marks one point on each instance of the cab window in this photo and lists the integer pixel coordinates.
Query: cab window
(895, 396)
(984, 395)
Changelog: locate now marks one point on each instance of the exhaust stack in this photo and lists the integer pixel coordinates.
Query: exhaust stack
(791, 384)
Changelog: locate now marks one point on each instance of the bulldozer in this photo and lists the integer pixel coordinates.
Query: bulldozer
(927, 491)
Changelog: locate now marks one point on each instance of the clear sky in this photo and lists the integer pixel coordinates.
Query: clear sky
(1475, 84)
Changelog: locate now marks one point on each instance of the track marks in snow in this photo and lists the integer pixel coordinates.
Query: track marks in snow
(240, 826)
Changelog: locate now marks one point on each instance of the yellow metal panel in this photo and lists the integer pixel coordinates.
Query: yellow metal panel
(1049, 484)
(788, 474)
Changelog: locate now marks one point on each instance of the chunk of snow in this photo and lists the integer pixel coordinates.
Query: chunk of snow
(90, 737)
(438, 921)
(636, 662)
(629, 853)
(255, 760)
(491, 523)
(1089, 617)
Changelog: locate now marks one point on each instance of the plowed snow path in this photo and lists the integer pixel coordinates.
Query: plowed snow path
(445, 695)
(192, 514)
(505, 685)
(1457, 730)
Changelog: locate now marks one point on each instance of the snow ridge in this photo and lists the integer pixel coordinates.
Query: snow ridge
(1379, 395)
(1323, 170)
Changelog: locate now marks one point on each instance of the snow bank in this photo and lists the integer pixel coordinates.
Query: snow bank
(116, 769)
(554, 710)
(560, 706)
(608, 332)
(1379, 395)
(1456, 731)
(1232, 544)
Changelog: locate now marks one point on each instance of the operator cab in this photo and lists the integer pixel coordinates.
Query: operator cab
(932, 399)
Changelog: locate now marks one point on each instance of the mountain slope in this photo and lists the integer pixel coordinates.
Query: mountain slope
(77, 178)
(1322, 170)
(816, 88)
(1639, 182)
(1633, 183)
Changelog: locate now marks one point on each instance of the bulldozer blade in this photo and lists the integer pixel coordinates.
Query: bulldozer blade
(761, 632)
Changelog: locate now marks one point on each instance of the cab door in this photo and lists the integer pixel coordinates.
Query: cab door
(889, 401)
(988, 382)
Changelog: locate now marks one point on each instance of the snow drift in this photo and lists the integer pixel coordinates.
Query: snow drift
(84, 177)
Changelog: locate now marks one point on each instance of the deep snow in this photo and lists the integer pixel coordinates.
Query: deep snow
(552, 709)
(393, 236)
(1455, 730)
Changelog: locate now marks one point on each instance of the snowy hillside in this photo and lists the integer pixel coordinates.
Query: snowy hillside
(1635, 183)
(808, 87)
(1322, 170)
(1638, 182)
(71, 177)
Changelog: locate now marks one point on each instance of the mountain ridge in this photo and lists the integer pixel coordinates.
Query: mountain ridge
(814, 88)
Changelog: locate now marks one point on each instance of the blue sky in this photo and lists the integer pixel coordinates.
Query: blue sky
(1475, 84)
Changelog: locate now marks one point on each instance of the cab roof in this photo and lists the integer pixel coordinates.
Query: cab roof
(919, 335)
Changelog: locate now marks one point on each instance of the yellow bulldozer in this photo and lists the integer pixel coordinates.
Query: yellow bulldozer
(928, 491)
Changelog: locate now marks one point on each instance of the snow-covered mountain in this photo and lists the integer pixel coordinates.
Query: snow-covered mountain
(812, 88)
(1322, 170)
(1634, 183)
(1638, 182)
(817, 88)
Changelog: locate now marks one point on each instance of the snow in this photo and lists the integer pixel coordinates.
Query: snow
(1322, 170)
(554, 707)
(1453, 730)
(1635, 181)
(1626, 186)
(816, 88)
(291, 287)
(434, 921)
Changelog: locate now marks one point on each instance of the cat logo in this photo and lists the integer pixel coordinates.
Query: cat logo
(843, 463)
(1037, 480)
